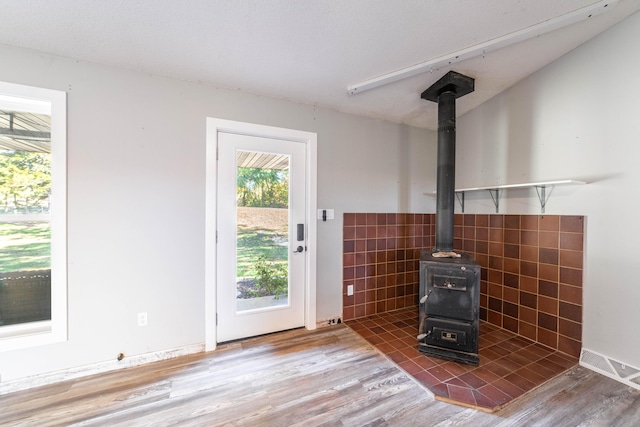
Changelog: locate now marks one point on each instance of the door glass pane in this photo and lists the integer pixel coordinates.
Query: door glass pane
(25, 231)
(262, 235)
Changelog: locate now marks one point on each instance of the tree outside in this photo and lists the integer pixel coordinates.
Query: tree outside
(264, 188)
(25, 182)
(25, 186)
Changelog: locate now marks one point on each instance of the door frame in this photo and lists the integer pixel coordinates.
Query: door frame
(214, 127)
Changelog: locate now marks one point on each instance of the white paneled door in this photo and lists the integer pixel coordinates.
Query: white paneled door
(261, 234)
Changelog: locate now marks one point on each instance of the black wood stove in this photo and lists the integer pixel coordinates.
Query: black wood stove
(449, 281)
(449, 307)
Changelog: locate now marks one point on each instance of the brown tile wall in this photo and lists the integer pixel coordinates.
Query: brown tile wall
(531, 269)
(381, 255)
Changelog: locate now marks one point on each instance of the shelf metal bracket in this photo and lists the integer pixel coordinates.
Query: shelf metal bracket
(542, 196)
(460, 197)
(496, 197)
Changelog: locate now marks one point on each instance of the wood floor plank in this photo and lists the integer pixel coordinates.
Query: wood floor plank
(328, 377)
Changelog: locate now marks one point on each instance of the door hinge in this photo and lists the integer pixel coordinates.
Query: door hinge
(216, 236)
(217, 153)
(216, 319)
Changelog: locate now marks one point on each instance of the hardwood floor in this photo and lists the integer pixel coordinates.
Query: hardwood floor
(327, 377)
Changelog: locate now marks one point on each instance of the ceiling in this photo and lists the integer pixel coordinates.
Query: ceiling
(309, 51)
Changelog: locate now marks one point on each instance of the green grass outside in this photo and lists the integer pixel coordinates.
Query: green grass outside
(25, 246)
(253, 243)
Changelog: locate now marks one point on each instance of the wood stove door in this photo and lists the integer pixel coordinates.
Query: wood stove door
(451, 292)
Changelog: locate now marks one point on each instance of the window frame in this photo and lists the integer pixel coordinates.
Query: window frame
(31, 334)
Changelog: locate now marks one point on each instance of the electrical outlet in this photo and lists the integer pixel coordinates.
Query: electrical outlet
(349, 290)
(143, 319)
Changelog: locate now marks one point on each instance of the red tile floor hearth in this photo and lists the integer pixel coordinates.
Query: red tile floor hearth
(510, 365)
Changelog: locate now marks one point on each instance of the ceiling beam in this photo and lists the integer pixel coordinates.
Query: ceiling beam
(486, 47)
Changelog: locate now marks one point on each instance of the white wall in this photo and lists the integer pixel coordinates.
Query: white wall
(578, 118)
(136, 200)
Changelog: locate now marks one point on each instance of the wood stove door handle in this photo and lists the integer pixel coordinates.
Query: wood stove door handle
(450, 286)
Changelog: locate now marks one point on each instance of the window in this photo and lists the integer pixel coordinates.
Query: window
(33, 272)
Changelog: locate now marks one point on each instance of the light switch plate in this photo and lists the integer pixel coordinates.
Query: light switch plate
(330, 213)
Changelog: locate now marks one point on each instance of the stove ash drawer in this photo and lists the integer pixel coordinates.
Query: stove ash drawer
(450, 334)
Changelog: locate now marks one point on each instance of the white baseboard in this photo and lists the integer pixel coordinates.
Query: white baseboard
(97, 368)
(611, 368)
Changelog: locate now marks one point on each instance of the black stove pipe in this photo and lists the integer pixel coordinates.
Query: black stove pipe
(445, 184)
(445, 92)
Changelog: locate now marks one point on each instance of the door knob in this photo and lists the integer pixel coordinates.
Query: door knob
(298, 250)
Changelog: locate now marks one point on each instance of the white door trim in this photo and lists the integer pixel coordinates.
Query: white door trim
(214, 126)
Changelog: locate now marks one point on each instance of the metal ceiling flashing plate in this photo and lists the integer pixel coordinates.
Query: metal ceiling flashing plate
(452, 81)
